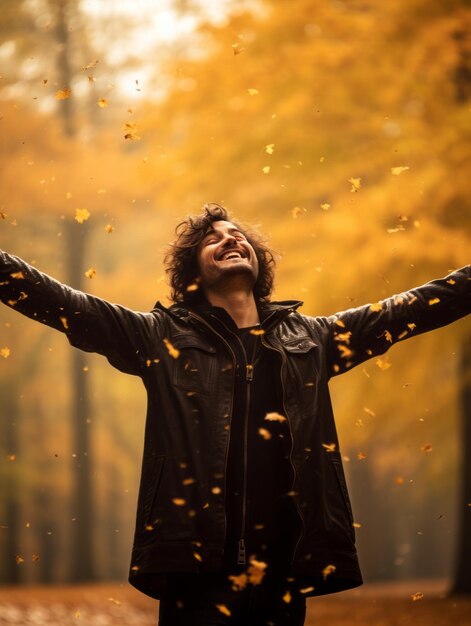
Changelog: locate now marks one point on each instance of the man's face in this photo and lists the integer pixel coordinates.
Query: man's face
(225, 253)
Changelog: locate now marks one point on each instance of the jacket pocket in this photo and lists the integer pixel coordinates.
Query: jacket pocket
(193, 370)
(150, 489)
(342, 484)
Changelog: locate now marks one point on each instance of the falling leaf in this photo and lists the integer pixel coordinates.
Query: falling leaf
(81, 215)
(90, 273)
(433, 301)
(238, 582)
(3, 215)
(376, 307)
(361, 456)
(19, 559)
(359, 423)
(64, 322)
(5, 352)
(193, 287)
(417, 596)
(275, 417)
(266, 434)
(397, 229)
(256, 571)
(252, 92)
(237, 48)
(427, 448)
(398, 170)
(297, 211)
(287, 597)
(356, 184)
(77, 614)
(216, 490)
(399, 480)
(130, 129)
(257, 331)
(383, 364)
(388, 336)
(356, 525)
(179, 501)
(188, 481)
(269, 149)
(306, 590)
(35, 557)
(109, 228)
(90, 65)
(328, 570)
(451, 281)
(174, 352)
(117, 602)
(11, 457)
(223, 609)
(63, 94)
(266, 169)
(102, 103)
(330, 447)
(325, 206)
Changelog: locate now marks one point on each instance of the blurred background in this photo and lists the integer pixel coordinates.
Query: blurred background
(342, 129)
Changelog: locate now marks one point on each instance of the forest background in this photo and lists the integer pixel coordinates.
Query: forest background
(343, 130)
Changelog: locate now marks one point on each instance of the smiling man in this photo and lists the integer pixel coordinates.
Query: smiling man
(243, 508)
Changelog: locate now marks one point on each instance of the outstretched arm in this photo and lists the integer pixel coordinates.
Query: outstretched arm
(90, 323)
(361, 333)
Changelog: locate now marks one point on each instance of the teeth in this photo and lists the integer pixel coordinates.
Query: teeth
(231, 255)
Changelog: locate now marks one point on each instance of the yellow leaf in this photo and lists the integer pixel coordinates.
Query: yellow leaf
(263, 432)
(388, 336)
(112, 600)
(257, 331)
(63, 94)
(223, 609)
(256, 571)
(297, 211)
(328, 570)
(383, 364)
(90, 65)
(356, 184)
(275, 417)
(238, 582)
(269, 149)
(252, 92)
(64, 322)
(5, 352)
(433, 301)
(287, 597)
(306, 590)
(356, 525)
(102, 103)
(427, 448)
(19, 559)
(109, 229)
(178, 501)
(330, 447)
(197, 556)
(417, 596)
(81, 215)
(130, 129)
(398, 170)
(90, 273)
(237, 48)
(361, 456)
(174, 352)
(35, 557)
(325, 206)
(266, 169)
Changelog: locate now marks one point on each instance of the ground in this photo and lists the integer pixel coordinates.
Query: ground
(390, 604)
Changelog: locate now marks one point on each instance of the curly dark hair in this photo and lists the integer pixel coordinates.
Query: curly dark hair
(181, 258)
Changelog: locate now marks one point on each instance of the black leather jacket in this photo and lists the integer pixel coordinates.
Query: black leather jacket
(188, 371)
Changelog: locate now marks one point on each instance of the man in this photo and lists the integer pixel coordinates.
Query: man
(243, 508)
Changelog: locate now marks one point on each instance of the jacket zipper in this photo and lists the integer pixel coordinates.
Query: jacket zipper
(234, 361)
(283, 366)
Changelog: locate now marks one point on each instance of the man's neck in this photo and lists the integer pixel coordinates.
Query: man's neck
(240, 305)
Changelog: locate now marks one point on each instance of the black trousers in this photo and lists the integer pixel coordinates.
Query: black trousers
(212, 600)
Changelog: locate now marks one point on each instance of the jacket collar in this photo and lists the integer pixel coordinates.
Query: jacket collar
(271, 313)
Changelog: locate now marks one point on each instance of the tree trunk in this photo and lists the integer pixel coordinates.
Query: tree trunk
(462, 582)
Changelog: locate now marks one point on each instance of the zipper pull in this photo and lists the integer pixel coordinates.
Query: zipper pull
(249, 372)
(241, 554)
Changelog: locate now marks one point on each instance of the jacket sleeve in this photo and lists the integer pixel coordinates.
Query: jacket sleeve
(90, 323)
(361, 333)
